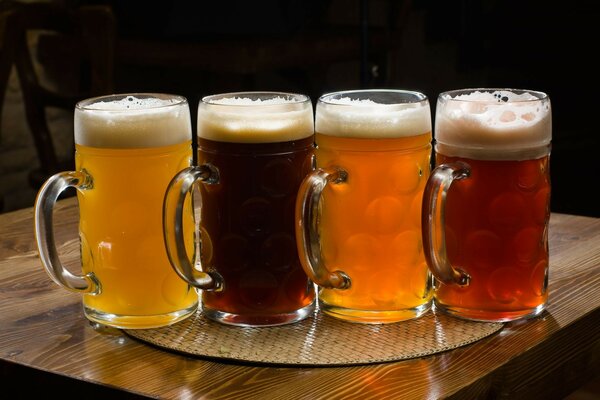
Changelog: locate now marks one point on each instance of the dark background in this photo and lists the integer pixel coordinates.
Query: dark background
(314, 47)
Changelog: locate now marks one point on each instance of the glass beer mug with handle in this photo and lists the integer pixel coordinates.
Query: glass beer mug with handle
(487, 203)
(358, 215)
(259, 146)
(127, 149)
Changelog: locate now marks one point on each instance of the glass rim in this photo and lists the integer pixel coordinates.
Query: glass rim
(88, 104)
(291, 98)
(420, 96)
(450, 95)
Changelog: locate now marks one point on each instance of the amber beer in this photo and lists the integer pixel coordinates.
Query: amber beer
(369, 221)
(497, 212)
(262, 145)
(129, 148)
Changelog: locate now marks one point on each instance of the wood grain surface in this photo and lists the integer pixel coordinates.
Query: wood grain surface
(45, 339)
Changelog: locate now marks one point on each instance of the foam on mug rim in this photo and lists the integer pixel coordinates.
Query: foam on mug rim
(502, 124)
(494, 96)
(340, 115)
(155, 120)
(247, 101)
(255, 117)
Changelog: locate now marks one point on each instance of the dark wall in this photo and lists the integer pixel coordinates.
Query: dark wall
(542, 45)
(427, 45)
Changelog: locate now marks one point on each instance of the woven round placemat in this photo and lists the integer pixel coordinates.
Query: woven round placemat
(319, 340)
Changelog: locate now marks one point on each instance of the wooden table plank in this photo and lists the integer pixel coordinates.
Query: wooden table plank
(42, 329)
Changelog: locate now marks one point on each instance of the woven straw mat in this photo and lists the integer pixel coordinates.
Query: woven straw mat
(319, 340)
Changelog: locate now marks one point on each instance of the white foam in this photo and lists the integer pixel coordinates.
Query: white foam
(494, 125)
(350, 101)
(133, 122)
(496, 96)
(246, 101)
(366, 118)
(132, 103)
(245, 120)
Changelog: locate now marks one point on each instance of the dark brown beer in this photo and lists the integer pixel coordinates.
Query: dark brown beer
(262, 145)
(247, 227)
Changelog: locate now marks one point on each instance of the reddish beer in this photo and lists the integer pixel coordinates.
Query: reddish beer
(492, 157)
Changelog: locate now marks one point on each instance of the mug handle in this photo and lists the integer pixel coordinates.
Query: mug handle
(433, 222)
(173, 208)
(44, 232)
(307, 228)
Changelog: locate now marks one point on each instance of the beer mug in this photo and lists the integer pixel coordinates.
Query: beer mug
(487, 204)
(358, 215)
(254, 149)
(127, 149)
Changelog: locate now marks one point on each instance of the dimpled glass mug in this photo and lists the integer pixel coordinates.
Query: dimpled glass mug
(358, 216)
(487, 203)
(128, 148)
(254, 149)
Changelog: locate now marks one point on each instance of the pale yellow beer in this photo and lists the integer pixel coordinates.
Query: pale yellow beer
(130, 148)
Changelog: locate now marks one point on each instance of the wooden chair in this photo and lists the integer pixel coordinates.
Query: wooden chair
(88, 32)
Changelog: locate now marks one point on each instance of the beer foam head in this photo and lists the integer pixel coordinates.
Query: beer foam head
(132, 121)
(373, 114)
(493, 123)
(255, 117)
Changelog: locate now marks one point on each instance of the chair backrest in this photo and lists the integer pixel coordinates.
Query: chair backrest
(93, 31)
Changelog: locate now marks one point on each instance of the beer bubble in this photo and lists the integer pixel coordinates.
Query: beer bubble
(507, 116)
(528, 116)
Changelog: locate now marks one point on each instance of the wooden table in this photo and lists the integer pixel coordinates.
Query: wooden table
(48, 347)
